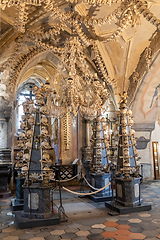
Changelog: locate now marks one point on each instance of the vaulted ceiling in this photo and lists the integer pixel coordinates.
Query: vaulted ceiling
(120, 38)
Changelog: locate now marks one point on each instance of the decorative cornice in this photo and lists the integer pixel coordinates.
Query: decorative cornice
(144, 127)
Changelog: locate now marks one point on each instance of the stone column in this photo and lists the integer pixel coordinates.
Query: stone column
(143, 134)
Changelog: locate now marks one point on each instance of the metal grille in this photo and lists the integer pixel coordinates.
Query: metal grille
(64, 172)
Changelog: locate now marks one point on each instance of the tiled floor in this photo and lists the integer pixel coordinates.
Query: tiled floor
(89, 220)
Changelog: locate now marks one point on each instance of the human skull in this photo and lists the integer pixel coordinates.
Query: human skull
(126, 164)
(132, 132)
(20, 144)
(44, 132)
(28, 144)
(46, 170)
(31, 120)
(26, 157)
(106, 136)
(123, 111)
(125, 151)
(35, 88)
(24, 169)
(43, 110)
(98, 151)
(40, 102)
(32, 109)
(44, 120)
(134, 142)
(22, 135)
(124, 131)
(19, 154)
(38, 96)
(103, 119)
(45, 156)
(99, 127)
(23, 125)
(129, 112)
(125, 143)
(105, 127)
(124, 121)
(106, 144)
(45, 144)
(29, 133)
(131, 121)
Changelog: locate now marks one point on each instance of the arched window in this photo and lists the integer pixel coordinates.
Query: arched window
(25, 92)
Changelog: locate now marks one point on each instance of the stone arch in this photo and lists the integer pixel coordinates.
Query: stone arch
(34, 60)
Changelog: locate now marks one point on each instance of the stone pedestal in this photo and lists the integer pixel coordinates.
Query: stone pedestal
(5, 172)
(18, 203)
(128, 191)
(37, 208)
(86, 165)
(128, 197)
(36, 201)
(4, 176)
(99, 181)
(86, 159)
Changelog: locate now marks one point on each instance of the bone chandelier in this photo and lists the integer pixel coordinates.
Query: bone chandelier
(81, 91)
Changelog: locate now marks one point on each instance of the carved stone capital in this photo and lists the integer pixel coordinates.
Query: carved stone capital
(144, 127)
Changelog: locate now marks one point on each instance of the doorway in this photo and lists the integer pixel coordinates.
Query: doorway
(156, 146)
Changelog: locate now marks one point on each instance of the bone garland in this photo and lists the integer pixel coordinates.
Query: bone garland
(35, 37)
(107, 19)
(17, 65)
(67, 129)
(82, 36)
(101, 66)
(142, 9)
(97, 2)
(143, 65)
(46, 46)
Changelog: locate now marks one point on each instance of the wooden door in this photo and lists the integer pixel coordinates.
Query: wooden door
(155, 160)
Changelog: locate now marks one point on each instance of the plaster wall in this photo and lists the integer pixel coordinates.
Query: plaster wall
(145, 109)
(155, 136)
(3, 133)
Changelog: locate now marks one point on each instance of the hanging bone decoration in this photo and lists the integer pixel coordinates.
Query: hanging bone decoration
(67, 130)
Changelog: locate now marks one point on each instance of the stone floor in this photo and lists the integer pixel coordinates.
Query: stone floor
(89, 220)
